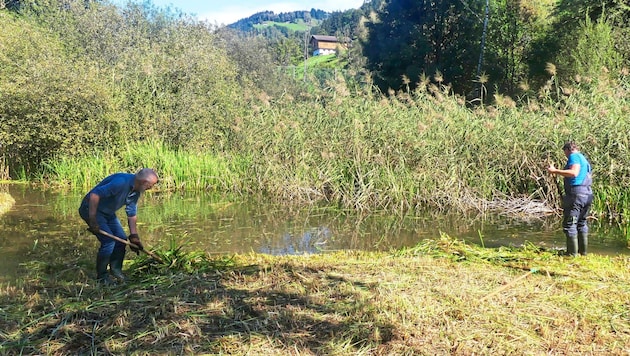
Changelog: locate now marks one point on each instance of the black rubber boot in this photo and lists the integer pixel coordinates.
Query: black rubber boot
(572, 244)
(102, 276)
(582, 241)
(116, 264)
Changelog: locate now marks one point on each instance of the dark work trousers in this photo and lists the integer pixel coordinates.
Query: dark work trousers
(576, 206)
(109, 224)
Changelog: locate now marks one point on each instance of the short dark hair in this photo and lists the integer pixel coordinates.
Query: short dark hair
(570, 145)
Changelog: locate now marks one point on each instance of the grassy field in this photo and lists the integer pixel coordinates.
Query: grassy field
(300, 26)
(440, 297)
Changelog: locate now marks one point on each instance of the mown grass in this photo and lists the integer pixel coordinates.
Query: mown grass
(440, 297)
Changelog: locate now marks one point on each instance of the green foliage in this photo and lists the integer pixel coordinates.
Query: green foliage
(412, 38)
(165, 71)
(178, 259)
(513, 27)
(50, 104)
(340, 24)
(601, 21)
(161, 74)
(178, 169)
(256, 60)
(595, 51)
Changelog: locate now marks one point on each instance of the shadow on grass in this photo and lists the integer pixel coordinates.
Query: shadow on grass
(230, 308)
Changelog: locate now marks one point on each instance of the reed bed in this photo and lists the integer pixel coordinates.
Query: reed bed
(418, 150)
(178, 170)
(440, 297)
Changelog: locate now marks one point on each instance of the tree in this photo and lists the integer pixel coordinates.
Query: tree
(570, 20)
(415, 37)
(514, 26)
(50, 103)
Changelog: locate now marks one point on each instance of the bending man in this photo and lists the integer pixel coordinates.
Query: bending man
(98, 210)
(578, 198)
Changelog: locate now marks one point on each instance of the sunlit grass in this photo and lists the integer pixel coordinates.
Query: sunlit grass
(6, 202)
(177, 170)
(439, 296)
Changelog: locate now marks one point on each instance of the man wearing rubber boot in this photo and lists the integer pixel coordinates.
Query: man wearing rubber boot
(577, 200)
(98, 209)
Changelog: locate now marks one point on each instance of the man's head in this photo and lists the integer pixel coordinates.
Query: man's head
(570, 147)
(145, 179)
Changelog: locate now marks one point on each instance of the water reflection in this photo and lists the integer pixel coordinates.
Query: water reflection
(313, 240)
(45, 224)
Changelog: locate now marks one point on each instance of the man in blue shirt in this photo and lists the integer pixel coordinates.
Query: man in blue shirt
(577, 199)
(98, 210)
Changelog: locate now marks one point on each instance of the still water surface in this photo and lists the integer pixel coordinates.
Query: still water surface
(46, 222)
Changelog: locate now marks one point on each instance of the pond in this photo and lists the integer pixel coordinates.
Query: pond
(46, 222)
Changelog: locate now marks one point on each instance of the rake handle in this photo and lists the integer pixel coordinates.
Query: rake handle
(130, 245)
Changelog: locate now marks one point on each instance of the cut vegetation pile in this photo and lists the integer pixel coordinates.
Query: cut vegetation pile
(441, 297)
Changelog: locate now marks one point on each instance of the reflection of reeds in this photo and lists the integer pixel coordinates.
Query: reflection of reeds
(6, 202)
(4, 170)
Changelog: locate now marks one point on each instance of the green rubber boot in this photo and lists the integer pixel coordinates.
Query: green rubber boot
(572, 245)
(102, 276)
(582, 240)
(116, 264)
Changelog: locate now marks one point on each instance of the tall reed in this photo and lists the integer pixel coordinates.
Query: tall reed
(178, 170)
(413, 150)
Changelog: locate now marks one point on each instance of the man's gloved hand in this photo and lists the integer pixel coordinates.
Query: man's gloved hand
(93, 226)
(135, 239)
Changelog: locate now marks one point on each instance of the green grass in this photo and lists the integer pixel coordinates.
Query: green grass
(328, 60)
(178, 170)
(295, 27)
(440, 297)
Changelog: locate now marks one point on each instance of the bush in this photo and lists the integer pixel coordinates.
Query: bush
(49, 104)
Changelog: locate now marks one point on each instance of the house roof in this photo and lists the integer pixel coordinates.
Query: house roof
(324, 38)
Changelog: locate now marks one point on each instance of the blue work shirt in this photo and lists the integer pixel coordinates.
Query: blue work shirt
(585, 168)
(114, 192)
(581, 184)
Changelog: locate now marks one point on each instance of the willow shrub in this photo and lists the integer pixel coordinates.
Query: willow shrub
(49, 103)
(182, 89)
(165, 72)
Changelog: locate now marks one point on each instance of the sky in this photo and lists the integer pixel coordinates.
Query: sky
(225, 12)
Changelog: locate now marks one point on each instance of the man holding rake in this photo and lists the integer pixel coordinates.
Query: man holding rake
(98, 210)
